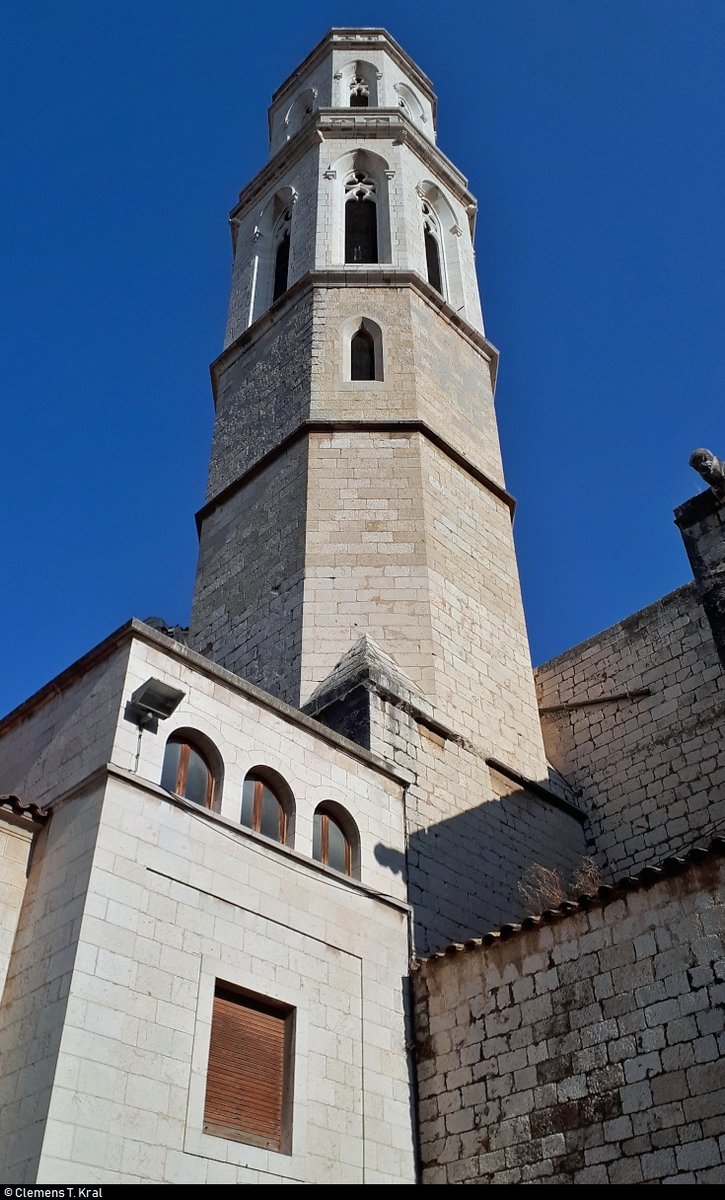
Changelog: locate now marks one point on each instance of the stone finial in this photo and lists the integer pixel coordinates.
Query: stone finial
(712, 470)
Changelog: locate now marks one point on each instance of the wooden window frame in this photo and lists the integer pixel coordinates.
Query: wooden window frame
(241, 1104)
(325, 819)
(259, 785)
(182, 770)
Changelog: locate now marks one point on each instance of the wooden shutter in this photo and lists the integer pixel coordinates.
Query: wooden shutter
(245, 1086)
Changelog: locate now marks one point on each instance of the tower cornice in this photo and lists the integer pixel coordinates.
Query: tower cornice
(333, 427)
(355, 39)
(354, 277)
(343, 124)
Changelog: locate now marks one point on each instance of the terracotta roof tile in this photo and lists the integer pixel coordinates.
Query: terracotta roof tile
(24, 808)
(675, 865)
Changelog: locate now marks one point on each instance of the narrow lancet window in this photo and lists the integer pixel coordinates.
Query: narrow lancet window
(362, 355)
(281, 259)
(433, 262)
(432, 249)
(361, 220)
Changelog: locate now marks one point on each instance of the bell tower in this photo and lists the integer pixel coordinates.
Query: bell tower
(356, 485)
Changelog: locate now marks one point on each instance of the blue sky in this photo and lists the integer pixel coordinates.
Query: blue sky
(591, 134)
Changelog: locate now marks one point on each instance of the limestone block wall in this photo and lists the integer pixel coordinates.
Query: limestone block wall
(650, 770)
(138, 901)
(431, 371)
(365, 553)
(16, 839)
(247, 611)
(263, 392)
(35, 998)
(585, 1051)
(472, 833)
(49, 745)
(484, 683)
(177, 899)
(249, 731)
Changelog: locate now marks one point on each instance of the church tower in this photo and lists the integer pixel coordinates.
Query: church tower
(356, 511)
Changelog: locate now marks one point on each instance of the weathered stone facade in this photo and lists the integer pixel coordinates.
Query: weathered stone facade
(649, 765)
(586, 1048)
(635, 717)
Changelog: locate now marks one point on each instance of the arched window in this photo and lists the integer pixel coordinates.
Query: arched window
(362, 355)
(187, 772)
(281, 255)
(302, 107)
(262, 809)
(331, 844)
(361, 219)
(431, 234)
(359, 92)
(409, 103)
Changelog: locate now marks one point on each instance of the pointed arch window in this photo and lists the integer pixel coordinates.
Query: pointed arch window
(431, 237)
(361, 219)
(281, 255)
(359, 92)
(362, 355)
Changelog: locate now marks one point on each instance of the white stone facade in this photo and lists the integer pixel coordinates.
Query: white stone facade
(141, 900)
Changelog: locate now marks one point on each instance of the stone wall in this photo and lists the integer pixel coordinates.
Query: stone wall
(39, 975)
(63, 733)
(16, 839)
(650, 768)
(585, 1049)
(176, 900)
(472, 834)
(247, 612)
(138, 901)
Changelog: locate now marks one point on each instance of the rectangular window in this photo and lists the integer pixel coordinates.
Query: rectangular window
(249, 1078)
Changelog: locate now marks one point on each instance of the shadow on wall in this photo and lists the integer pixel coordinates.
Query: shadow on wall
(464, 873)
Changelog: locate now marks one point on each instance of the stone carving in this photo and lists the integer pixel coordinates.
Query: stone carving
(712, 470)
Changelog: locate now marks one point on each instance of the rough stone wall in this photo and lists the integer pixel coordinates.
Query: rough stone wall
(36, 992)
(651, 770)
(16, 840)
(472, 834)
(581, 1052)
(247, 613)
(262, 395)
